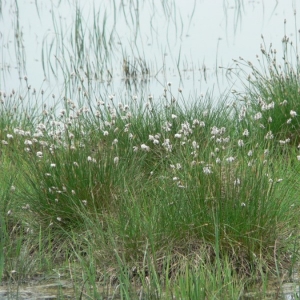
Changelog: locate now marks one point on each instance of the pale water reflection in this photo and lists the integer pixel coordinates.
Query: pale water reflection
(184, 42)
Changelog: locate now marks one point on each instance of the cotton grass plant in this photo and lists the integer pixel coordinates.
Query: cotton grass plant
(143, 192)
(272, 90)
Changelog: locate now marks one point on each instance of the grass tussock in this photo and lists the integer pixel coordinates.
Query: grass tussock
(272, 90)
(166, 200)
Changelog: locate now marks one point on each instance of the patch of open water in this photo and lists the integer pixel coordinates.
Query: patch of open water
(183, 42)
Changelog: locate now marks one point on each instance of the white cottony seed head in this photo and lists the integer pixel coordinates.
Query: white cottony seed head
(207, 170)
(237, 182)
(293, 113)
(28, 142)
(240, 143)
(230, 159)
(145, 147)
(257, 116)
(269, 135)
(39, 154)
(246, 132)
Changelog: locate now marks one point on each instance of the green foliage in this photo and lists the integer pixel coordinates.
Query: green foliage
(273, 90)
(140, 181)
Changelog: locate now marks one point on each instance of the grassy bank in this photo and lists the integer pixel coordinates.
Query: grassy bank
(152, 198)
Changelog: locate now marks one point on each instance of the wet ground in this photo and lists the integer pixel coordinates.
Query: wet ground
(43, 288)
(47, 291)
(65, 290)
